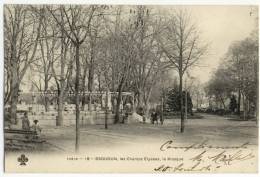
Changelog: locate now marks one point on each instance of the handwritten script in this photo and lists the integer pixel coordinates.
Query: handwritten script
(205, 160)
(201, 145)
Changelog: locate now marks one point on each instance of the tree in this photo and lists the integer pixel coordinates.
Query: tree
(220, 86)
(48, 42)
(242, 61)
(90, 55)
(62, 72)
(197, 93)
(74, 22)
(238, 74)
(22, 28)
(121, 52)
(173, 100)
(148, 65)
(182, 46)
(104, 69)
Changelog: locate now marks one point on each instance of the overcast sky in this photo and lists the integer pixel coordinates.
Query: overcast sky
(220, 26)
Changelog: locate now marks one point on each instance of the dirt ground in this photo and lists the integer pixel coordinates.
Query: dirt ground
(216, 129)
(102, 149)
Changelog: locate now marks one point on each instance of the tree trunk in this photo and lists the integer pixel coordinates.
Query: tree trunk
(118, 102)
(77, 98)
(60, 109)
(181, 102)
(14, 82)
(223, 103)
(46, 103)
(244, 106)
(146, 107)
(106, 113)
(146, 102)
(162, 105)
(46, 99)
(14, 99)
(238, 102)
(133, 104)
(248, 108)
(61, 84)
(186, 104)
(197, 101)
(113, 89)
(89, 101)
(83, 100)
(91, 77)
(138, 100)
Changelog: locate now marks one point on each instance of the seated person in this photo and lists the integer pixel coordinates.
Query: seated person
(35, 127)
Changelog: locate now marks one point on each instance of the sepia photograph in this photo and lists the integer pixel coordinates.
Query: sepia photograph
(106, 88)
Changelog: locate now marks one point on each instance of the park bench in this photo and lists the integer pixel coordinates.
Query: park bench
(18, 131)
(18, 139)
(27, 136)
(26, 140)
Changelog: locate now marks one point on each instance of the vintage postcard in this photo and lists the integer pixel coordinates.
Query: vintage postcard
(110, 88)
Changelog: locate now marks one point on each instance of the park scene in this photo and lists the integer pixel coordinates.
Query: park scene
(79, 78)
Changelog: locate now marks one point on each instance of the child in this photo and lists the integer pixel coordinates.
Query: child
(35, 127)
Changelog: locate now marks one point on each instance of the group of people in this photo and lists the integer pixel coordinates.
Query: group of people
(154, 117)
(26, 124)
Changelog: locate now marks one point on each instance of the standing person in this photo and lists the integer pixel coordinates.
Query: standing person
(161, 118)
(125, 117)
(154, 117)
(141, 113)
(25, 122)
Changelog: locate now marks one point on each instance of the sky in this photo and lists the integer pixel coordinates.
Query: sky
(220, 26)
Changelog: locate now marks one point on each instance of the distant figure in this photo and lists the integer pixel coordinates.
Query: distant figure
(25, 122)
(161, 118)
(125, 117)
(154, 117)
(141, 113)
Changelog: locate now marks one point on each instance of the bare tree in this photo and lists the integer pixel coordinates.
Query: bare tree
(182, 46)
(90, 55)
(123, 41)
(48, 42)
(103, 69)
(74, 22)
(242, 66)
(148, 63)
(62, 72)
(22, 27)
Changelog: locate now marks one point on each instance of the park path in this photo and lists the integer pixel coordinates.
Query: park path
(217, 129)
